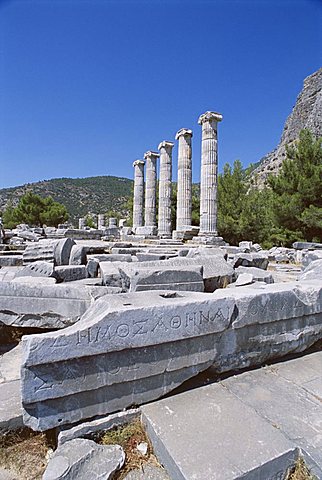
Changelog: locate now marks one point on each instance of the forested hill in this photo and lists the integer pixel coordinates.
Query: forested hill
(79, 195)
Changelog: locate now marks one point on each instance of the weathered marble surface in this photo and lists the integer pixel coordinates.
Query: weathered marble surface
(44, 306)
(184, 185)
(165, 189)
(209, 173)
(188, 278)
(57, 251)
(83, 459)
(138, 194)
(131, 348)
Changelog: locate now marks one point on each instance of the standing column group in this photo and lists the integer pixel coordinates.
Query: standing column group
(208, 184)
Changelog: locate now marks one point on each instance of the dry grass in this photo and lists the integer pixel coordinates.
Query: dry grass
(129, 436)
(23, 452)
(300, 472)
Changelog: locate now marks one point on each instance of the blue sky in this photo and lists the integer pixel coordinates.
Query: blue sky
(86, 87)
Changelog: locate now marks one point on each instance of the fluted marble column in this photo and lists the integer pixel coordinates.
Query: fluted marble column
(150, 188)
(101, 221)
(209, 168)
(138, 195)
(184, 185)
(165, 189)
(81, 223)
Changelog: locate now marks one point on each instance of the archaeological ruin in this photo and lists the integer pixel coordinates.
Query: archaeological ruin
(197, 338)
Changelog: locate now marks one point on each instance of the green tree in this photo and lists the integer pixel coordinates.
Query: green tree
(297, 191)
(89, 221)
(9, 218)
(54, 213)
(232, 191)
(35, 211)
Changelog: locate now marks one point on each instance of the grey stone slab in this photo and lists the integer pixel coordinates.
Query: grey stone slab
(69, 273)
(78, 255)
(35, 280)
(111, 257)
(209, 433)
(148, 472)
(259, 260)
(310, 256)
(10, 405)
(97, 425)
(244, 279)
(127, 250)
(10, 260)
(259, 274)
(37, 269)
(43, 306)
(94, 282)
(292, 409)
(312, 272)
(308, 245)
(216, 271)
(110, 274)
(10, 363)
(93, 246)
(130, 348)
(82, 459)
(9, 273)
(162, 278)
(92, 267)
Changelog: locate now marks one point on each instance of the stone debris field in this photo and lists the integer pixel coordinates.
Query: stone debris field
(216, 349)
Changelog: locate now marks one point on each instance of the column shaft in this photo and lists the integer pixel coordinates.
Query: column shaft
(138, 195)
(209, 168)
(184, 185)
(150, 188)
(165, 189)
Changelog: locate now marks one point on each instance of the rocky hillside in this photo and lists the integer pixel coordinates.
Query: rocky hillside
(307, 113)
(79, 195)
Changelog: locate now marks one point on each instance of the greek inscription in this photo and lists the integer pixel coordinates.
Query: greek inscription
(123, 330)
(192, 318)
(44, 385)
(139, 327)
(175, 322)
(254, 309)
(115, 368)
(204, 317)
(83, 335)
(160, 324)
(219, 315)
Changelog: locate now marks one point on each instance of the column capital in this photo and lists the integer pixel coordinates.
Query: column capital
(151, 155)
(208, 116)
(138, 162)
(183, 132)
(165, 144)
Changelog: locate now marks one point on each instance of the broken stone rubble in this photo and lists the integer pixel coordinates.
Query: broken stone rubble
(81, 459)
(75, 374)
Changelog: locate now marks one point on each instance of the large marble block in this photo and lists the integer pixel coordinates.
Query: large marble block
(162, 278)
(131, 348)
(43, 306)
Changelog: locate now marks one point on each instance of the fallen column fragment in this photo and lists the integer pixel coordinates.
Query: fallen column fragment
(56, 251)
(131, 348)
(44, 306)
